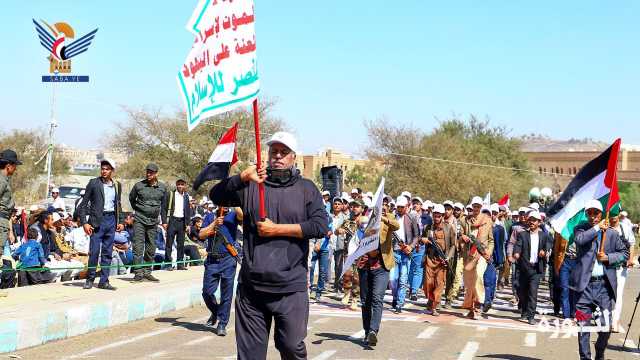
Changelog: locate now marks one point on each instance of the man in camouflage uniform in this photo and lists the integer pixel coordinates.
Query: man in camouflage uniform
(350, 280)
(148, 199)
(8, 166)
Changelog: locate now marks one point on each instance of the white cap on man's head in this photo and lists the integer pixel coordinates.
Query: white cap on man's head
(593, 204)
(55, 190)
(326, 193)
(402, 201)
(535, 214)
(523, 210)
(477, 200)
(535, 205)
(458, 206)
(495, 208)
(438, 208)
(448, 203)
(370, 194)
(624, 213)
(284, 138)
(56, 217)
(354, 191)
(485, 208)
(406, 193)
(109, 162)
(418, 199)
(515, 213)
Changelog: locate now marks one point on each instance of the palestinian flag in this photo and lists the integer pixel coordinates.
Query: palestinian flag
(598, 179)
(504, 201)
(221, 160)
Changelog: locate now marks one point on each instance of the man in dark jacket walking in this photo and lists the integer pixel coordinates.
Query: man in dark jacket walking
(100, 214)
(273, 277)
(179, 214)
(148, 199)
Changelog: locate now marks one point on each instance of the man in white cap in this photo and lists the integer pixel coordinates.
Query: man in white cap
(456, 267)
(495, 264)
(476, 255)
(443, 237)
(272, 284)
(415, 267)
(530, 253)
(406, 239)
(594, 277)
(58, 202)
(516, 228)
(621, 269)
(100, 213)
(326, 200)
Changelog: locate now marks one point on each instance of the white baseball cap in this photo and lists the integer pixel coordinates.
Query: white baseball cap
(325, 193)
(56, 217)
(284, 138)
(535, 205)
(515, 213)
(406, 193)
(624, 213)
(354, 191)
(402, 201)
(523, 210)
(593, 204)
(418, 198)
(495, 208)
(477, 200)
(448, 202)
(458, 206)
(370, 194)
(108, 161)
(438, 208)
(535, 214)
(485, 208)
(55, 190)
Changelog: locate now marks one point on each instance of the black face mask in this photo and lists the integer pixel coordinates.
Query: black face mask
(280, 176)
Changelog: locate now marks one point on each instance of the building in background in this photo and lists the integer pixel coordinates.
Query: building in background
(82, 160)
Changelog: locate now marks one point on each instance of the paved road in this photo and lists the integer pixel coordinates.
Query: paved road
(335, 333)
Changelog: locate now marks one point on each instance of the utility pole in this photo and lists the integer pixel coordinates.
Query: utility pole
(52, 126)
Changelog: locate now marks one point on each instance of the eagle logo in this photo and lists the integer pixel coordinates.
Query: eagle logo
(56, 39)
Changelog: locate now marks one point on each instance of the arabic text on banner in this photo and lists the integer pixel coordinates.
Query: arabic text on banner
(221, 71)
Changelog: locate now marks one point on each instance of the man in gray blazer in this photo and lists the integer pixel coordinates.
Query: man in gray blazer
(594, 277)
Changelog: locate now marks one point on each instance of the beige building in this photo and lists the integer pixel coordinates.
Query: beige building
(561, 160)
(87, 160)
(311, 164)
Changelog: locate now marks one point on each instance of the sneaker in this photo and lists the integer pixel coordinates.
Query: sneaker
(413, 297)
(435, 313)
(447, 305)
(211, 323)
(106, 286)
(138, 278)
(394, 303)
(486, 308)
(170, 268)
(531, 321)
(347, 298)
(354, 306)
(372, 338)
(471, 315)
(88, 284)
(151, 278)
(398, 309)
(221, 331)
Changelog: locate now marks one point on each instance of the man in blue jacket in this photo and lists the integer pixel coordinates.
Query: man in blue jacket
(594, 276)
(494, 267)
(273, 277)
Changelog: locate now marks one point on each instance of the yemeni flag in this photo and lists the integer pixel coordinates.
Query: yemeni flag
(221, 160)
(505, 201)
(598, 179)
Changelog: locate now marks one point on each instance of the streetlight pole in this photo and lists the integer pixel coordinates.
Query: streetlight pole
(52, 125)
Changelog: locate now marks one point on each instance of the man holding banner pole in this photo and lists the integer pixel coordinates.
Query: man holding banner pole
(272, 285)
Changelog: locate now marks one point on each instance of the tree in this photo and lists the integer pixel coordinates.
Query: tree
(630, 199)
(408, 154)
(29, 182)
(366, 178)
(149, 136)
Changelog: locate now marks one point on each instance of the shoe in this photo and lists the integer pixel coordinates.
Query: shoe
(313, 297)
(106, 286)
(211, 323)
(471, 315)
(531, 321)
(447, 305)
(523, 317)
(372, 338)
(398, 309)
(347, 298)
(151, 278)
(486, 308)
(221, 331)
(394, 303)
(138, 278)
(88, 285)
(169, 268)
(435, 312)
(413, 297)
(182, 268)
(354, 306)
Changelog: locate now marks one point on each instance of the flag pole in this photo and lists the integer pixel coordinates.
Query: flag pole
(604, 235)
(256, 125)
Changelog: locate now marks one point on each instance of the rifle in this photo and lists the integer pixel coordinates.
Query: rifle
(230, 248)
(428, 233)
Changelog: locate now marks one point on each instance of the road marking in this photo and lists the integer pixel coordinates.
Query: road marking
(469, 351)
(530, 340)
(130, 340)
(481, 331)
(158, 354)
(326, 355)
(322, 320)
(123, 342)
(428, 333)
(199, 340)
(358, 335)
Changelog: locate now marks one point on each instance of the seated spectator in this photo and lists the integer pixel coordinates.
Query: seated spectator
(31, 256)
(122, 253)
(70, 257)
(192, 250)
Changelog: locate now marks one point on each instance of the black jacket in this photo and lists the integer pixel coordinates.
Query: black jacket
(171, 205)
(275, 264)
(92, 203)
(523, 247)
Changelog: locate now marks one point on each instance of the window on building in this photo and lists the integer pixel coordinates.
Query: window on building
(557, 170)
(562, 171)
(540, 170)
(574, 170)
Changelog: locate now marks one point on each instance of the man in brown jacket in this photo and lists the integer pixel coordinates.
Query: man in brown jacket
(373, 269)
(435, 270)
(476, 255)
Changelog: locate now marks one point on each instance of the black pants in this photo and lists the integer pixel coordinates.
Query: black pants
(255, 310)
(529, 283)
(175, 229)
(192, 252)
(338, 263)
(597, 293)
(373, 284)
